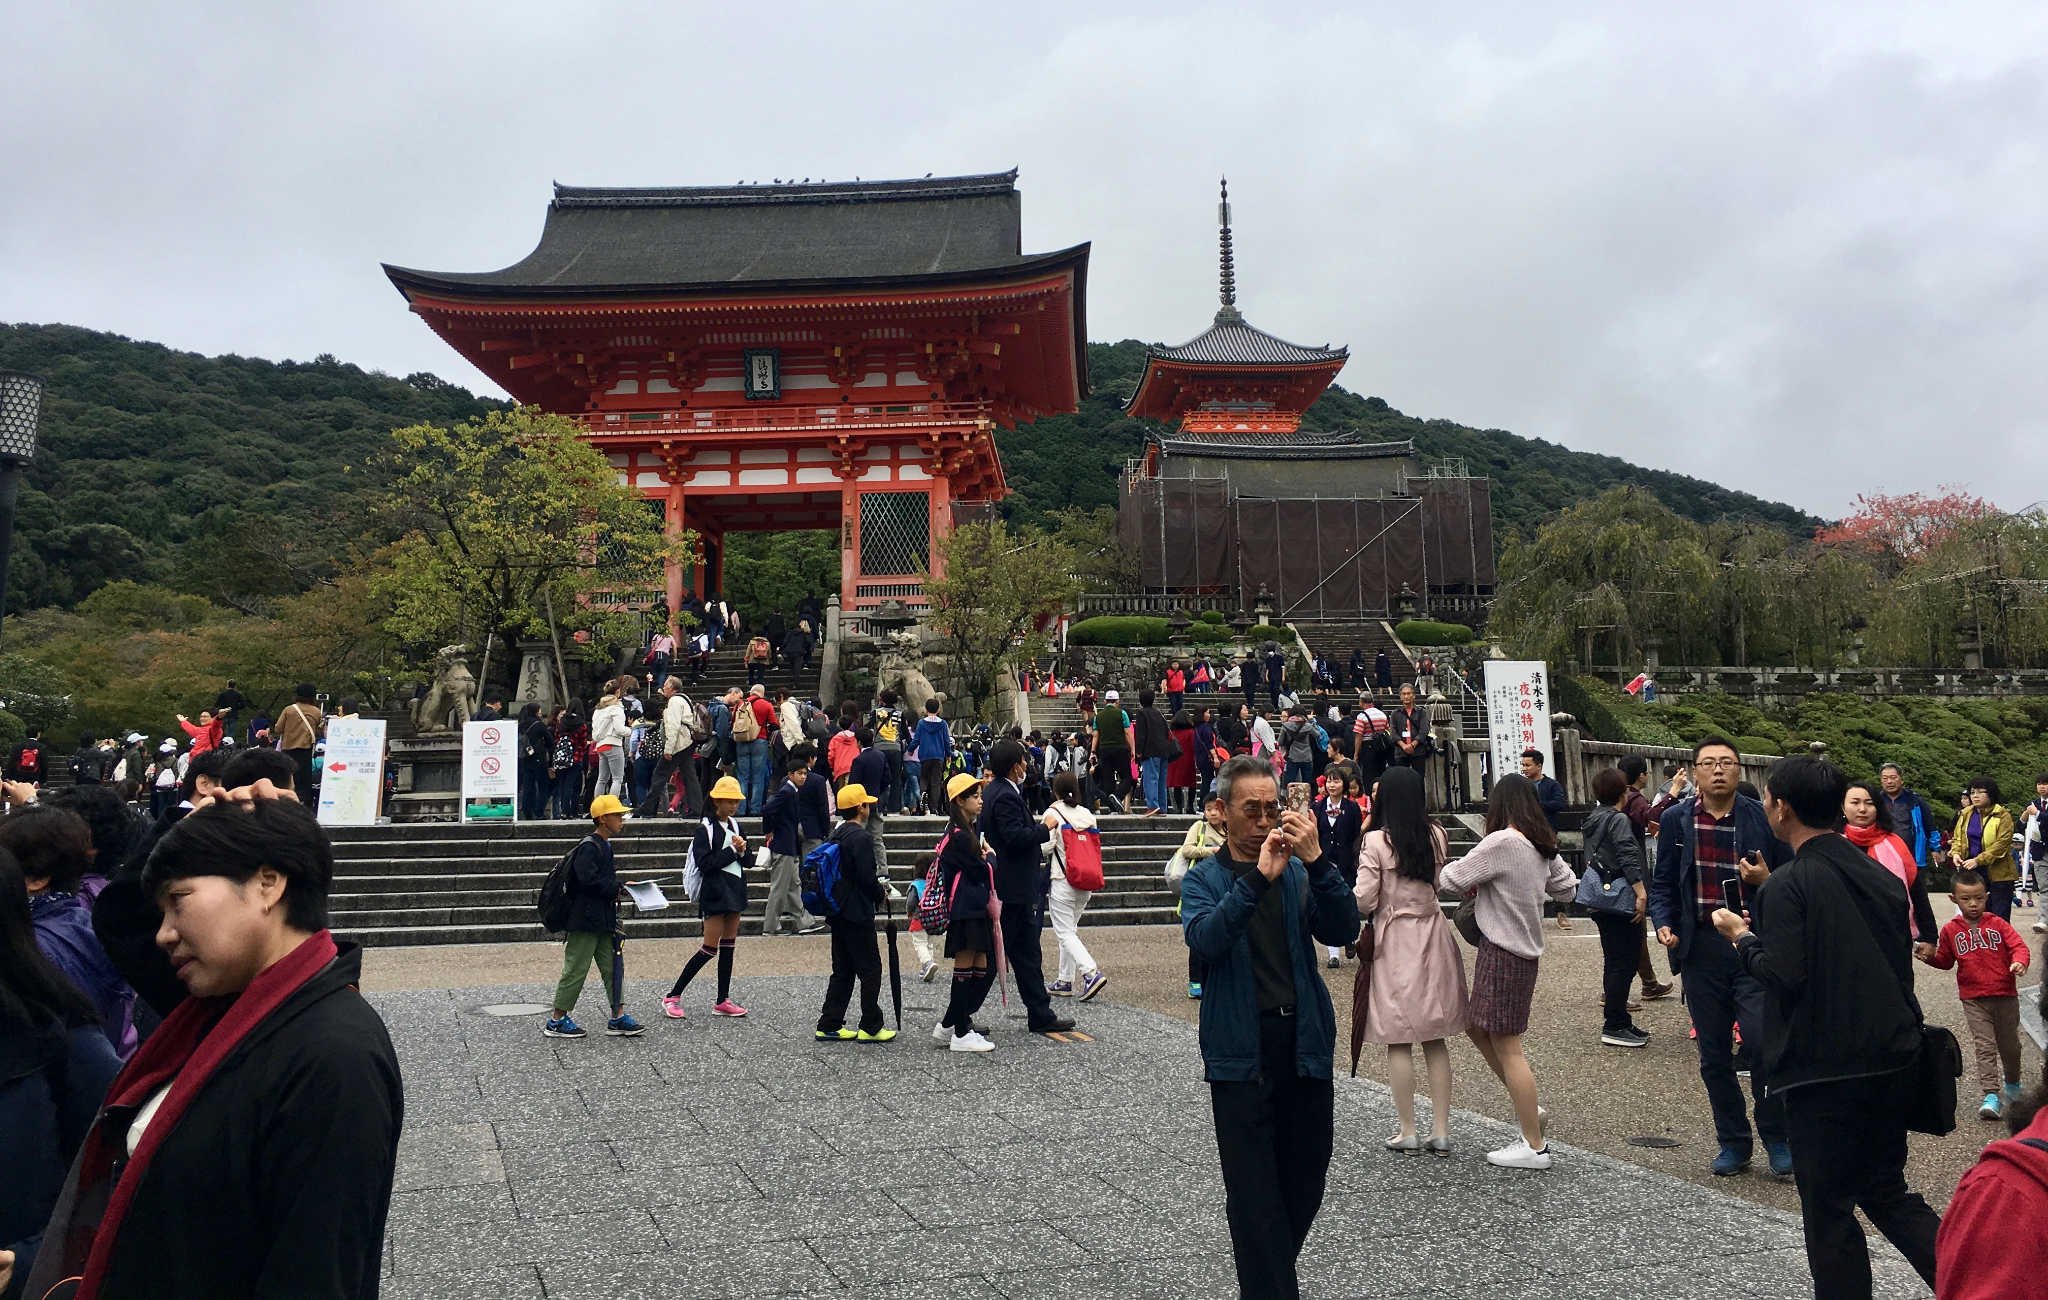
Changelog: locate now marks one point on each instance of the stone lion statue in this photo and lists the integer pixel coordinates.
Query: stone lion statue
(452, 696)
(900, 671)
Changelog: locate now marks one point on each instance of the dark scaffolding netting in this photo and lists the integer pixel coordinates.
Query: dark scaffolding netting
(1180, 530)
(1317, 557)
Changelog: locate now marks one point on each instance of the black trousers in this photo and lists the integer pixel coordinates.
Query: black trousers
(1274, 1135)
(1998, 898)
(1113, 774)
(1618, 952)
(855, 955)
(1720, 994)
(1021, 925)
(1849, 1150)
(931, 774)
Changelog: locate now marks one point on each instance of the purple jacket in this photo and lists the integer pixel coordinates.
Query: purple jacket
(64, 932)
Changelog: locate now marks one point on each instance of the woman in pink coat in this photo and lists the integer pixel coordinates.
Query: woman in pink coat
(1418, 978)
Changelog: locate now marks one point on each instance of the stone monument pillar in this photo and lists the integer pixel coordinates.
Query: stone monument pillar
(537, 684)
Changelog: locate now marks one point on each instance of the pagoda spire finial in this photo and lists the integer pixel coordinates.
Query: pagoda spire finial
(1228, 263)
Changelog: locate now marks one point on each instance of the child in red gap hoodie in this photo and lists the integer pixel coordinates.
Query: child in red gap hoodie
(1987, 955)
(1995, 1233)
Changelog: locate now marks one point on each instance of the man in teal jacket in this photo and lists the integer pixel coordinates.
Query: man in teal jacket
(1254, 913)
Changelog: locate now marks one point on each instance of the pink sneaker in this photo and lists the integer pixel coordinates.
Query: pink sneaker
(672, 1008)
(728, 1008)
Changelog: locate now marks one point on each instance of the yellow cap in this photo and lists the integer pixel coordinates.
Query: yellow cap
(727, 788)
(605, 805)
(853, 794)
(961, 784)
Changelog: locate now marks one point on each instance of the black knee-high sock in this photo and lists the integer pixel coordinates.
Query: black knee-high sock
(690, 969)
(975, 994)
(962, 981)
(725, 949)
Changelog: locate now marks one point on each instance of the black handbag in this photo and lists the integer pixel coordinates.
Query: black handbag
(1931, 1083)
(1930, 1079)
(1466, 921)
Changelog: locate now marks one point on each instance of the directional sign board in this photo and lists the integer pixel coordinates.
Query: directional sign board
(352, 772)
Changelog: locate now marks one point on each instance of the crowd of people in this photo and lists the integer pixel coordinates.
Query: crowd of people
(169, 991)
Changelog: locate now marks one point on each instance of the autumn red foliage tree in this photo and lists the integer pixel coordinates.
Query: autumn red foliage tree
(1903, 526)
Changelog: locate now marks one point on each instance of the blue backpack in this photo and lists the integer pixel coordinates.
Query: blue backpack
(819, 879)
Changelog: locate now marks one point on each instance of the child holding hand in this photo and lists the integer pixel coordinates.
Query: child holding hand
(1988, 955)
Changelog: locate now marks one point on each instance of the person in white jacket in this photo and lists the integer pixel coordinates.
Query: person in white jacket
(608, 742)
(1066, 903)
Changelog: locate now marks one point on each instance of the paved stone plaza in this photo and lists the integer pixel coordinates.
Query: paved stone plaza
(740, 1158)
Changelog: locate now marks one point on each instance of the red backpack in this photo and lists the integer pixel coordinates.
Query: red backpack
(1080, 855)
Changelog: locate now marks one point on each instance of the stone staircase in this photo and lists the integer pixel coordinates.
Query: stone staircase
(1335, 640)
(446, 883)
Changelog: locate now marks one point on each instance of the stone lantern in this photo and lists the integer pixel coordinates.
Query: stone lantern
(1263, 606)
(1177, 627)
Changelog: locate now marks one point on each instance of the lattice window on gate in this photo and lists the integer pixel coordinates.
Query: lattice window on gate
(895, 532)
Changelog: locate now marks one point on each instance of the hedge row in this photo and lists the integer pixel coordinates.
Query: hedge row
(1146, 630)
(1421, 631)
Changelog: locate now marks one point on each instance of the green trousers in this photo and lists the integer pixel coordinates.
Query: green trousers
(579, 950)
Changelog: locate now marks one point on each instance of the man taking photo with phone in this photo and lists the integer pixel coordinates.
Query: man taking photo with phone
(1716, 838)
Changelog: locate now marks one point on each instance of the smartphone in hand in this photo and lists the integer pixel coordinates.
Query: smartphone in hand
(1731, 894)
(1298, 796)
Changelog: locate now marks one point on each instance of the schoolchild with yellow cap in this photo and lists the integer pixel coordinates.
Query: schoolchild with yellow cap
(851, 918)
(593, 924)
(718, 852)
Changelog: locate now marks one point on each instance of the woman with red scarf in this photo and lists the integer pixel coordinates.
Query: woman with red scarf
(248, 1147)
(1863, 824)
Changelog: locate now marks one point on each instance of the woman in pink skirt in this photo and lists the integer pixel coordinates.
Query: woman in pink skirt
(1418, 978)
(1509, 873)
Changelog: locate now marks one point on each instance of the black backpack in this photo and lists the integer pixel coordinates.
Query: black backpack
(557, 893)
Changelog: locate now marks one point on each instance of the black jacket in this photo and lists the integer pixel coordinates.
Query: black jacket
(1340, 832)
(870, 771)
(860, 889)
(814, 806)
(964, 873)
(594, 887)
(1828, 949)
(1010, 829)
(782, 820)
(51, 1086)
(277, 1180)
(1154, 736)
(126, 921)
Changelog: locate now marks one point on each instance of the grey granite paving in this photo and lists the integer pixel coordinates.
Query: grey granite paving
(715, 1158)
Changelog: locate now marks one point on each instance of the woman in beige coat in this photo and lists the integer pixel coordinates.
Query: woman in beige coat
(1418, 978)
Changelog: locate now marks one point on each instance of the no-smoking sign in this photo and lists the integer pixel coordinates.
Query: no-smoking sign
(489, 765)
(489, 735)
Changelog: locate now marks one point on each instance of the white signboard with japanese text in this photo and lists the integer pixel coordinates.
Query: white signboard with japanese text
(352, 772)
(490, 772)
(1518, 713)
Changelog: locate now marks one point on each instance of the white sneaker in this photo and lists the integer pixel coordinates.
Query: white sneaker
(926, 970)
(1519, 1155)
(2041, 927)
(942, 1034)
(972, 1041)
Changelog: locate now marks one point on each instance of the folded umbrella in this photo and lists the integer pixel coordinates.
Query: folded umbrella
(1361, 994)
(895, 964)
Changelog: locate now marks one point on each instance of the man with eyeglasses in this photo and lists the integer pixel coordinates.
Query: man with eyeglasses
(1704, 843)
(1254, 913)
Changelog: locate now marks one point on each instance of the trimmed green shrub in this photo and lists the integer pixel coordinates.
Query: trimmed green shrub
(1208, 633)
(1212, 616)
(1421, 631)
(1261, 632)
(1118, 630)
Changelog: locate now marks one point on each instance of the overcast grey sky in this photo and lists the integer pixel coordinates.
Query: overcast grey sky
(1799, 253)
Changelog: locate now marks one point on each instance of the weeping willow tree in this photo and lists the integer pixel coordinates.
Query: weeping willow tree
(1603, 580)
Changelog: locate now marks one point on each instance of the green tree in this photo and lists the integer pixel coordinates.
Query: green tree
(1001, 588)
(511, 525)
(766, 573)
(1603, 579)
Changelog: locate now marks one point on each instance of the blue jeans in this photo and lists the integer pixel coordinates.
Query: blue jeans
(913, 786)
(1152, 780)
(1719, 994)
(1303, 772)
(753, 773)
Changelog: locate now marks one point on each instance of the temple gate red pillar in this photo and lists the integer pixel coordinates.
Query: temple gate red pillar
(849, 539)
(939, 524)
(674, 576)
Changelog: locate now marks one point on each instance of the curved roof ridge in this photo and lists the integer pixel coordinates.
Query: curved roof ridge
(1237, 341)
(854, 191)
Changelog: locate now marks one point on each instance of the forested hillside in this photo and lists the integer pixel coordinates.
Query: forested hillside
(1074, 459)
(235, 478)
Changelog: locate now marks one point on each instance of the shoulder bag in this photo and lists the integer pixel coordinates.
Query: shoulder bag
(1930, 1078)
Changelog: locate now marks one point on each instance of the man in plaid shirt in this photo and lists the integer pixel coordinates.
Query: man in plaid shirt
(1719, 835)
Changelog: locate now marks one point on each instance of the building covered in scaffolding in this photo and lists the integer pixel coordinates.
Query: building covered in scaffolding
(1238, 502)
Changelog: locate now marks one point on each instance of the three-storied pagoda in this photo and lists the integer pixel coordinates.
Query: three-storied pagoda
(783, 356)
(1235, 498)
